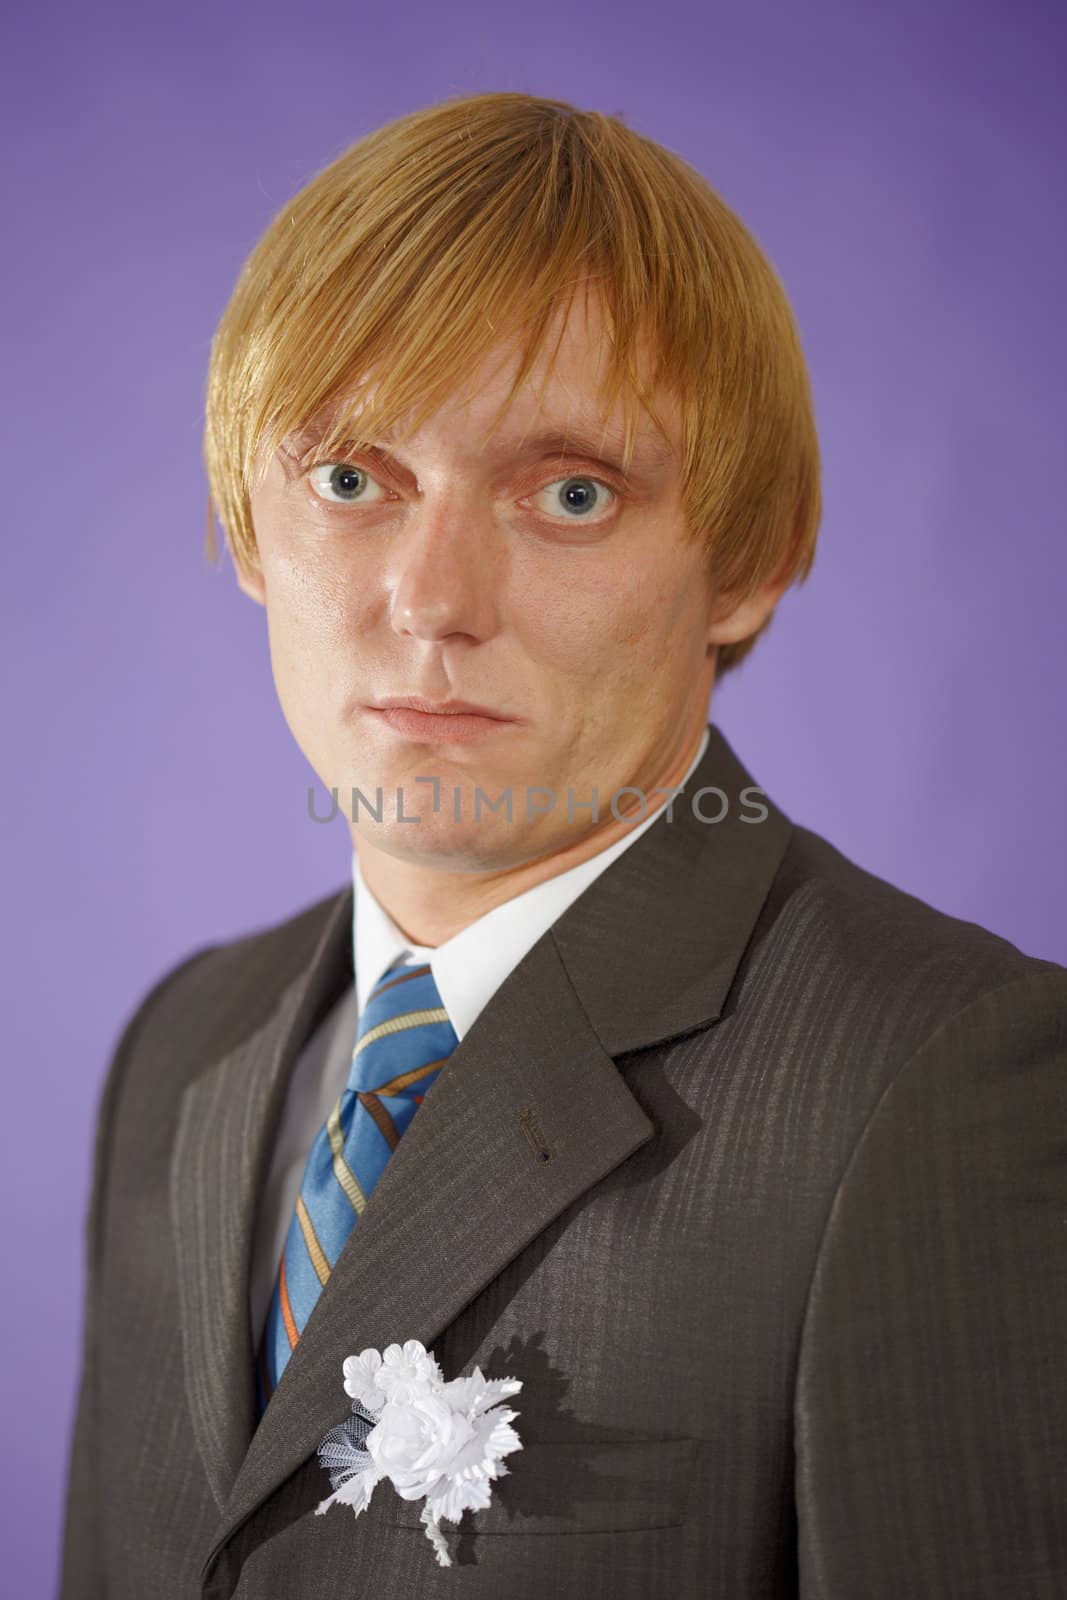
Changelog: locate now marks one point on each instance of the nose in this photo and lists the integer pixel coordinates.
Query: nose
(446, 570)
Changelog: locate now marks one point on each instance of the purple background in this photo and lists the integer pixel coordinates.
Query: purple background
(903, 171)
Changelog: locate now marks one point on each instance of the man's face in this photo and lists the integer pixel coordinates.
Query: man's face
(516, 570)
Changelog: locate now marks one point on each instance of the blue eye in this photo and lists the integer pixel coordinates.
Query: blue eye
(340, 483)
(577, 497)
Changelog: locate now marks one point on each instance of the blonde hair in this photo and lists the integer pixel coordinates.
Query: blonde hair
(395, 270)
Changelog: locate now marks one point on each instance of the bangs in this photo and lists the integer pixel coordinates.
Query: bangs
(396, 392)
(412, 281)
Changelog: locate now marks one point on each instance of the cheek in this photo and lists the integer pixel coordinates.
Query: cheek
(310, 648)
(638, 611)
(312, 601)
(308, 589)
(311, 604)
(298, 630)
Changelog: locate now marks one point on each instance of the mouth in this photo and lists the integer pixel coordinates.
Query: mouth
(439, 722)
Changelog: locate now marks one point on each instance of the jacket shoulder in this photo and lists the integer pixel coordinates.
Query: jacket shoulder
(222, 992)
(881, 949)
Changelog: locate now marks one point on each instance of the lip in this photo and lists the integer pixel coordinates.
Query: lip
(438, 708)
(447, 722)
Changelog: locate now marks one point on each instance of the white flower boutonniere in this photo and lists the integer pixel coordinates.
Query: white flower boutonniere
(434, 1440)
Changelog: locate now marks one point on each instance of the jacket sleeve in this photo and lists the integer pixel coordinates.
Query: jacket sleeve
(81, 1573)
(931, 1396)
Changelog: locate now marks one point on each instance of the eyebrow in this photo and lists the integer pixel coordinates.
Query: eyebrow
(650, 456)
(647, 459)
(584, 437)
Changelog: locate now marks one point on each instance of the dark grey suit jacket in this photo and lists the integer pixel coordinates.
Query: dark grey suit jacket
(754, 1171)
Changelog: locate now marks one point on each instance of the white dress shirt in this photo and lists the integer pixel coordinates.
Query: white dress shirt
(468, 970)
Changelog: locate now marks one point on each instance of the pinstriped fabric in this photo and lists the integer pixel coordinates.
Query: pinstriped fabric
(403, 1040)
(836, 1268)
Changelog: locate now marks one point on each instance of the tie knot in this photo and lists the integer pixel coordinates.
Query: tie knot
(403, 1032)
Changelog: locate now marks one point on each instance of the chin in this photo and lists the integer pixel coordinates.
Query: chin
(441, 842)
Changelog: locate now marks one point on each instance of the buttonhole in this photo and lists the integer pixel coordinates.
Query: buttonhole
(534, 1136)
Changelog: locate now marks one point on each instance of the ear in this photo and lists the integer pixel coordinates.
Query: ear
(250, 582)
(735, 619)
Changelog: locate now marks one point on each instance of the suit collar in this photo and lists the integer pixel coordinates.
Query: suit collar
(653, 945)
(646, 953)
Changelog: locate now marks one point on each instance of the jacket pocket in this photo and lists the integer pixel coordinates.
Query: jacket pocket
(580, 1488)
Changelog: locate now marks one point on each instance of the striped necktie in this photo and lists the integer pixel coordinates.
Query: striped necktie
(403, 1041)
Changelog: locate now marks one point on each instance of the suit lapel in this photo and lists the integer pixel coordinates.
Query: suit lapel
(221, 1152)
(531, 1112)
(654, 944)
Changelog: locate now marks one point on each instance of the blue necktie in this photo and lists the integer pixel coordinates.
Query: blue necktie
(403, 1041)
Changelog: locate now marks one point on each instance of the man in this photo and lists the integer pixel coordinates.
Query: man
(748, 1166)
